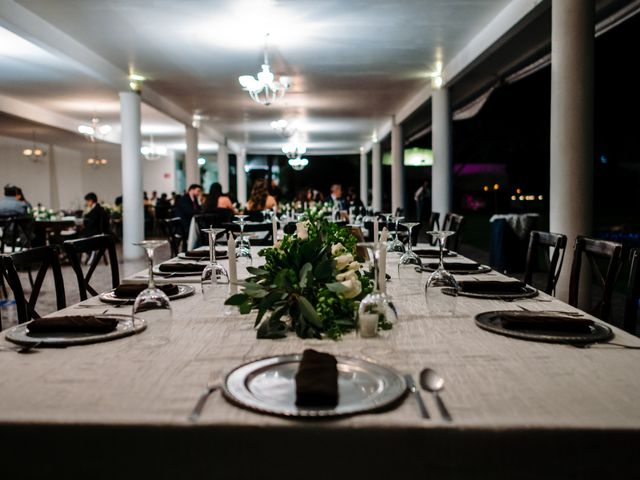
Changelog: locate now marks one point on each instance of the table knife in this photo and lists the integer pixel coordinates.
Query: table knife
(411, 385)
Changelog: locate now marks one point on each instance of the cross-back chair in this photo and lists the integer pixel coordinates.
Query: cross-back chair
(174, 231)
(633, 292)
(541, 242)
(97, 247)
(453, 222)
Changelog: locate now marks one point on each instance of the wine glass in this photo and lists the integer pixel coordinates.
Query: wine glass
(395, 244)
(410, 265)
(151, 298)
(214, 273)
(243, 248)
(377, 303)
(437, 303)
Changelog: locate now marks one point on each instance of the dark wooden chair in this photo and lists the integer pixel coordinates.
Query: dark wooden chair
(174, 232)
(540, 242)
(253, 227)
(453, 222)
(17, 234)
(41, 259)
(595, 251)
(633, 293)
(216, 219)
(97, 247)
(434, 224)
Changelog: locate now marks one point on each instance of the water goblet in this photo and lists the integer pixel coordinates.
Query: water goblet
(243, 245)
(151, 299)
(410, 265)
(214, 273)
(396, 245)
(437, 303)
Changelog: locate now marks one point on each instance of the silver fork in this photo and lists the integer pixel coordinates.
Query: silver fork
(211, 387)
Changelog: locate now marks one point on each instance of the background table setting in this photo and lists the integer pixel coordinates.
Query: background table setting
(448, 393)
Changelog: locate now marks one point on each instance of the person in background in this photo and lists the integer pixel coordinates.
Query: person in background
(96, 219)
(260, 199)
(20, 198)
(216, 200)
(9, 204)
(188, 205)
(422, 198)
(274, 190)
(337, 198)
(353, 200)
(154, 197)
(313, 196)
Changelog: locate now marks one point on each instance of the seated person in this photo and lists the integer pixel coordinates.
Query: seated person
(260, 199)
(10, 206)
(96, 218)
(188, 205)
(217, 200)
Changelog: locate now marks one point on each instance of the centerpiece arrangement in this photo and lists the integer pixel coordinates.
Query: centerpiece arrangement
(311, 283)
(43, 213)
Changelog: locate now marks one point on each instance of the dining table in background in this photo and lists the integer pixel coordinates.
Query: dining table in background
(520, 409)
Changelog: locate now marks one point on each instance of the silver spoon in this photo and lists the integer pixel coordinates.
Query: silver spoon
(431, 382)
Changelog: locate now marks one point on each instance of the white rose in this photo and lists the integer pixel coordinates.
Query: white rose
(354, 265)
(343, 261)
(337, 249)
(302, 230)
(354, 288)
(348, 275)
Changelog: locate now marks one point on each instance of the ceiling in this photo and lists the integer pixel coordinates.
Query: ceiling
(354, 63)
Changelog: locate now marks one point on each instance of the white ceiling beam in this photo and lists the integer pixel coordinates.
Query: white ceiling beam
(24, 23)
(492, 35)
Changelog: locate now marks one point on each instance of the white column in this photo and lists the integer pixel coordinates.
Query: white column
(223, 167)
(191, 168)
(442, 170)
(571, 175)
(376, 177)
(397, 167)
(364, 177)
(132, 201)
(241, 176)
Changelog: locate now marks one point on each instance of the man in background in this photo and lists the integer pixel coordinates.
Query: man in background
(188, 205)
(336, 197)
(10, 205)
(96, 219)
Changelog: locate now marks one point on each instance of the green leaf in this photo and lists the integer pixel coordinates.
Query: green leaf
(257, 271)
(309, 312)
(324, 269)
(246, 307)
(237, 299)
(337, 287)
(306, 273)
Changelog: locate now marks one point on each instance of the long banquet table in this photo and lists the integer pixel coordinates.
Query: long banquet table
(521, 409)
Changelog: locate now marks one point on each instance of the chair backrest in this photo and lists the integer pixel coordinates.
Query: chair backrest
(174, 231)
(633, 292)
(216, 219)
(17, 232)
(434, 221)
(44, 258)
(254, 227)
(97, 246)
(539, 239)
(595, 250)
(453, 222)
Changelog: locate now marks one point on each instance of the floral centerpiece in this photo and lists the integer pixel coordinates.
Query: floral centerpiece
(43, 213)
(311, 283)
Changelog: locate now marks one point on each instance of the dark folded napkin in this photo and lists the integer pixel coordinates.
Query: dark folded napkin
(177, 267)
(428, 252)
(220, 254)
(492, 287)
(73, 323)
(546, 321)
(453, 266)
(132, 290)
(317, 380)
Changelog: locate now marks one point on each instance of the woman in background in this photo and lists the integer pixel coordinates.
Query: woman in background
(216, 199)
(260, 199)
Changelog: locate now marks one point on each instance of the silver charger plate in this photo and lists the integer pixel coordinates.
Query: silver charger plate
(109, 297)
(492, 322)
(21, 335)
(192, 273)
(480, 269)
(269, 386)
(527, 292)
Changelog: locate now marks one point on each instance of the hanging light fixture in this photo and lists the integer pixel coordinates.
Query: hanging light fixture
(94, 129)
(34, 153)
(152, 151)
(264, 88)
(292, 150)
(298, 163)
(95, 161)
(284, 128)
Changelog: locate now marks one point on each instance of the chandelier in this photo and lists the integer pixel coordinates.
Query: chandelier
(298, 163)
(291, 150)
(284, 128)
(34, 153)
(152, 151)
(95, 161)
(264, 88)
(94, 129)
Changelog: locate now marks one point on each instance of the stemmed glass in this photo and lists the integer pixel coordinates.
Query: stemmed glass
(410, 264)
(436, 303)
(396, 244)
(151, 298)
(214, 273)
(243, 250)
(377, 302)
